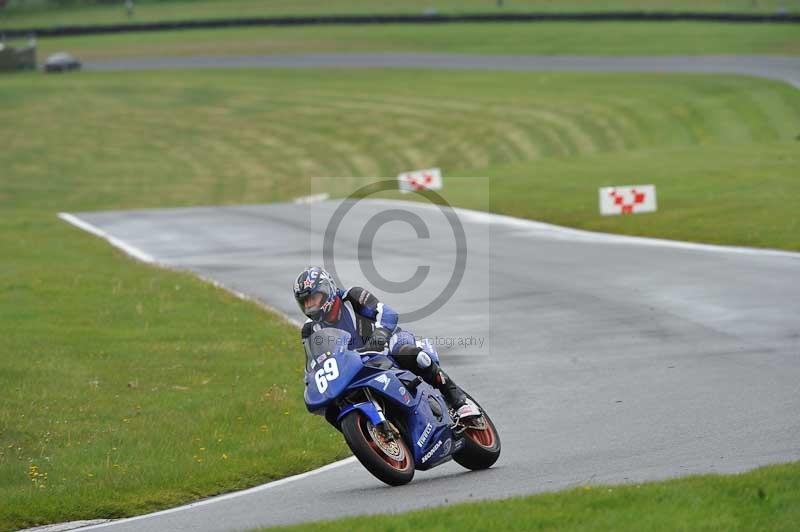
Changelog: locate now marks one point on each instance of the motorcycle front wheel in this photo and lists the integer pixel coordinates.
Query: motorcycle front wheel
(389, 461)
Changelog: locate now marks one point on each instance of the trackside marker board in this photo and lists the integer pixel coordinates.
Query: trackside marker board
(627, 200)
(420, 179)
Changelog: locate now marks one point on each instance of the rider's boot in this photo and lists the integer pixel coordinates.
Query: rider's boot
(453, 395)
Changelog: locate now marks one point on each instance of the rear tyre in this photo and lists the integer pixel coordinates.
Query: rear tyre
(481, 443)
(390, 462)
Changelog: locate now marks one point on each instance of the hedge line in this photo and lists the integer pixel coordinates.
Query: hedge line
(57, 31)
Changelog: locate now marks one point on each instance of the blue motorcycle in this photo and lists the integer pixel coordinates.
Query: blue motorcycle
(393, 421)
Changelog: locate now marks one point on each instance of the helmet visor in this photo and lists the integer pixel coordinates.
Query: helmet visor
(311, 302)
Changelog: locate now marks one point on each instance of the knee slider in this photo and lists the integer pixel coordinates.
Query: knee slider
(424, 360)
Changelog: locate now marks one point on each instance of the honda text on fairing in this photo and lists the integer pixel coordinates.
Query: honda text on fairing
(392, 420)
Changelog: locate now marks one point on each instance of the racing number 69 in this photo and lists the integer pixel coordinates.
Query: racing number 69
(328, 372)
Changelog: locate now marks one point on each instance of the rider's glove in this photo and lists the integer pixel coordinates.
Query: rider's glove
(307, 330)
(378, 340)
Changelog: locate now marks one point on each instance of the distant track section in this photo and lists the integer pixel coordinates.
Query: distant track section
(782, 68)
(435, 18)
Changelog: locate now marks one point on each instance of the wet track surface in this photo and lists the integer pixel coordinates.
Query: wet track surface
(604, 358)
(782, 68)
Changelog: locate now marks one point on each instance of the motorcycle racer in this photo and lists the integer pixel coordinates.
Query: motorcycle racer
(372, 326)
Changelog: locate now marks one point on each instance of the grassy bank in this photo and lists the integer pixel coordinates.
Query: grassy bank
(41, 13)
(722, 150)
(764, 499)
(123, 378)
(553, 38)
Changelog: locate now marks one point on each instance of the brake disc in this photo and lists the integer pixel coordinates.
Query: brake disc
(392, 449)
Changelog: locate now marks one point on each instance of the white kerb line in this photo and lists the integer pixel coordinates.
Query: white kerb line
(148, 259)
(130, 250)
(227, 496)
(144, 257)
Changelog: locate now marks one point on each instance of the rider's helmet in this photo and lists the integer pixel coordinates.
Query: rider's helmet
(312, 281)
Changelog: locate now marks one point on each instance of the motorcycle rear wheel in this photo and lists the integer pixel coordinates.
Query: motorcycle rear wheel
(389, 462)
(481, 445)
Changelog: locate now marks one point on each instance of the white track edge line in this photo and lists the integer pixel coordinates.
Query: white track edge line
(218, 498)
(130, 250)
(148, 259)
(488, 217)
(597, 236)
(144, 257)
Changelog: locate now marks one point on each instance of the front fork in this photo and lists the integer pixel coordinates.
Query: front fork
(372, 409)
(385, 428)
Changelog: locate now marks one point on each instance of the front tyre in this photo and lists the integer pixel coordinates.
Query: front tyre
(481, 443)
(390, 461)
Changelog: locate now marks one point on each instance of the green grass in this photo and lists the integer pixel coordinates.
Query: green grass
(715, 146)
(606, 38)
(765, 499)
(121, 377)
(126, 379)
(716, 194)
(40, 13)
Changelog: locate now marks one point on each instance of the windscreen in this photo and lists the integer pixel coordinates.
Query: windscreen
(323, 343)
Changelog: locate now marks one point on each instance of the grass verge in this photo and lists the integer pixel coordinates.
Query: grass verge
(42, 13)
(552, 38)
(129, 380)
(765, 499)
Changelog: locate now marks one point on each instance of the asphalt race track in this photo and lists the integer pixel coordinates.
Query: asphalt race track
(605, 359)
(782, 68)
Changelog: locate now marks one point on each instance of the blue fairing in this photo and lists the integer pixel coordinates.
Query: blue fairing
(431, 439)
(348, 365)
(367, 408)
(388, 384)
(332, 372)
